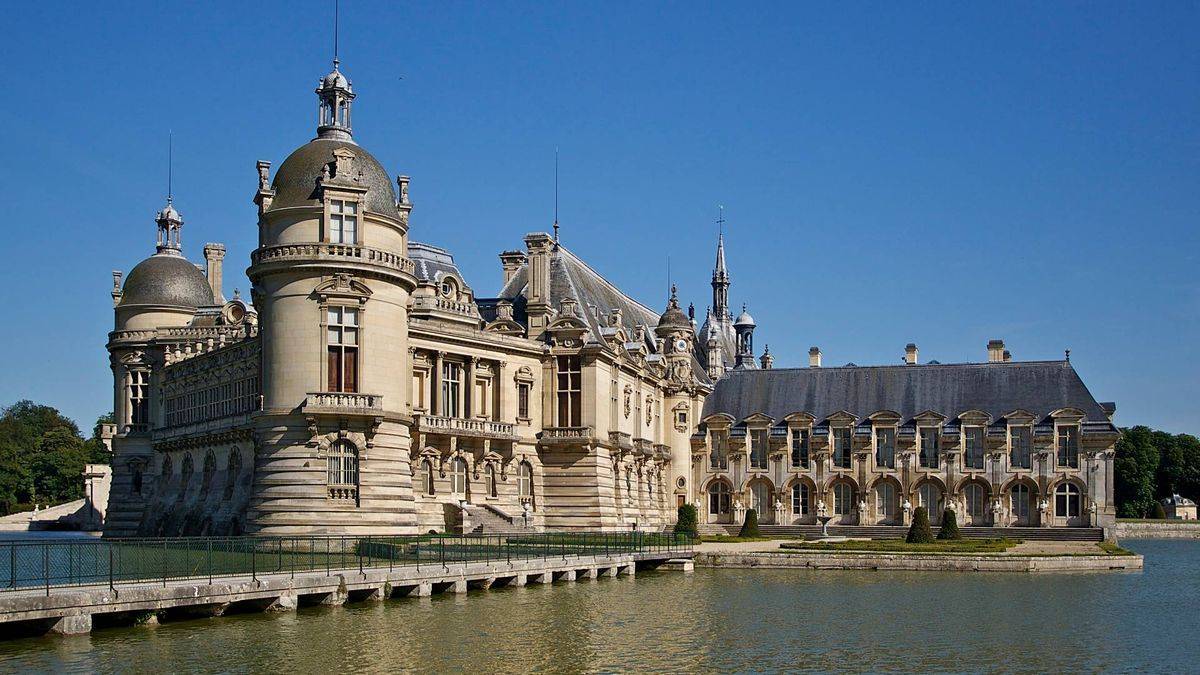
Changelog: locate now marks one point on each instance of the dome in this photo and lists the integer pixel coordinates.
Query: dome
(673, 317)
(744, 319)
(295, 182)
(335, 79)
(166, 279)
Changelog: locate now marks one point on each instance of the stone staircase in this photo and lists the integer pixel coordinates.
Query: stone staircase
(483, 519)
(898, 532)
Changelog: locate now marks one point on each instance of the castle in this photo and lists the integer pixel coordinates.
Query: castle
(366, 387)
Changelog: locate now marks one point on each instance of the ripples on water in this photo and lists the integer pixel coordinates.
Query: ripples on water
(713, 620)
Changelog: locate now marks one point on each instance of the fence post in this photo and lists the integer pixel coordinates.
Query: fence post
(46, 565)
(254, 560)
(442, 545)
(110, 567)
(208, 561)
(164, 563)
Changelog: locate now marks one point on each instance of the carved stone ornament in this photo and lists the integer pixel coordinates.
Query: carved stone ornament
(628, 401)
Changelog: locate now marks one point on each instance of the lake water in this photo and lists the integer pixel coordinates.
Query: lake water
(724, 620)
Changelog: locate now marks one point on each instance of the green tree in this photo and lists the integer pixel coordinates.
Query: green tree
(1135, 467)
(1158, 511)
(686, 521)
(949, 526)
(919, 532)
(750, 527)
(41, 456)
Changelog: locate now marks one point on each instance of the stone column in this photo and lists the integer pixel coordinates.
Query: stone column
(435, 382)
(468, 390)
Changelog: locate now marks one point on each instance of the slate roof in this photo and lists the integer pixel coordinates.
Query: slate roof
(431, 263)
(295, 182)
(1039, 387)
(166, 279)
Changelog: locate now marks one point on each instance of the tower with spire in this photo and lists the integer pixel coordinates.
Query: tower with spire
(719, 345)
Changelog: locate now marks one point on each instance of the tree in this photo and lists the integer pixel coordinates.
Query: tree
(1158, 511)
(949, 526)
(686, 521)
(919, 532)
(41, 456)
(1135, 465)
(750, 527)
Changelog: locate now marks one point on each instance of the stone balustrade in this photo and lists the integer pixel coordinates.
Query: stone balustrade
(339, 253)
(457, 426)
(344, 403)
(582, 434)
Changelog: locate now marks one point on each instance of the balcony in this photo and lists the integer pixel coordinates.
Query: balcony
(343, 403)
(457, 426)
(339, 254)
(568, 435)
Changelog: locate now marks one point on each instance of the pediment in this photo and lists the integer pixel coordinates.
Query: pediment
(1020, 416)
(975, 417)
(885, 417)
(719, 420)
(801, 418)
(930, 417)
(343, 285)
(842, 417)
(758, 419)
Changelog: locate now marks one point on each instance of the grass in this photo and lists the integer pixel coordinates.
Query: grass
(901, 546)
(1112, 548)
(733, 539)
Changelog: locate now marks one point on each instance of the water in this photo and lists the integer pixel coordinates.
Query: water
(723, 620)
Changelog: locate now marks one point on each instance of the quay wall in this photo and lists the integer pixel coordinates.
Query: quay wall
(917, 562)
(1160, 530)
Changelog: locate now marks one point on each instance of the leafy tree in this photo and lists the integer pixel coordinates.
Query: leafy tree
(686, 521)
(1158, 511)
(1135, 465)
(750, 527)
(919, 532)
(41, 456)
(949, 526)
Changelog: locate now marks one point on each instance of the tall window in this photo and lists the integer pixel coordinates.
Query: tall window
(1021, 439)
(523, 400)
(136, 479)
(1020, 501)
(342, 464)
(458, 476)
(974, 457)
(232, 469)
(1068, 447)
(342, 338)
(885, 500)
(525, 481)
(718, 498)
(570, 413)
(799, 448)
(974, 494)
(185, 470)
(343, 221)
(1066, 501)
(843, 499)
(139, 397)
(451, 387)
(210, 467)
(489, 475)
(800, 499)
(166, 469)
(930, 448)
(841, 447)
(758, 448)
(885, 447)
(427, 478)
(930, 496)
(719, 457)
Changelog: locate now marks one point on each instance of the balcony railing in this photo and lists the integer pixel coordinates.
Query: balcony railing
(340, 253)
(582, 434)
(344, 403)
(457, 426)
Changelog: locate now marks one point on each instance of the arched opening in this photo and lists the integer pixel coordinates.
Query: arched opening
(801, 502)
(843, 503)
(719, 510)
(887, 503)
(210, 467)
(233, 468)
(342, 470)
(1022, 504)
(1068, 504)
(975, 496)
(761, 501)
(185, 474)
(136, 479)
(458, 479)
(929, 495)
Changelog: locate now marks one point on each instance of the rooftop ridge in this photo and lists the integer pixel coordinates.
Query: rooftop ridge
(909, 366)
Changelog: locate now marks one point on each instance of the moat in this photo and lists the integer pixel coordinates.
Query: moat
(712, 620)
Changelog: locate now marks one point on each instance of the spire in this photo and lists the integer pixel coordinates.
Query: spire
(720, 277)
(556, 195)
(168, 219)
(335, 94)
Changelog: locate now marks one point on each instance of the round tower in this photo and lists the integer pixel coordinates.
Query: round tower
(683, 393)
(331, 281)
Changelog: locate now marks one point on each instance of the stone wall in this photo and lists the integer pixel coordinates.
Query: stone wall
(1161, 530)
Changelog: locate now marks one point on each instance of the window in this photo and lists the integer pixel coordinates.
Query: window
(760, 498)
(525, 481)
(232, 470)
(1068, 447)
(447, 288)
(974, 458)
(343, 221)
(186, 469)
(139, 397)
(885, 500)
(930, 496)
(843, 499)
(930, 448)
(342, 464)
(719, 457)
(458, 476)
(342, 338)
(1066, 501)
(451, 386)
(427, 478)
(799, 499)
(1021, 441)
(974, 494)
(841, 447)
(489, 475)
(758, 449)
(523, 401)
(885, 447)
(136, 479)
(166, 468)
(210, 467)
(1020, 501)
(799, 448)
(718, 498)
(570, 413)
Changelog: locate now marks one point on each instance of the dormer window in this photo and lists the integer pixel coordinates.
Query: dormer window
(929, 447)
(974, 454)
(841, 447)
(343, 221)
(1068, 446)
(758, 449)
(800, 448)
(448, 288)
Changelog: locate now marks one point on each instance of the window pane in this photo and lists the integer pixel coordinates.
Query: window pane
(333, 315)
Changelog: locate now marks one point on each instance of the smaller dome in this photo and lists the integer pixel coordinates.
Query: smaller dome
(744, 319)
(335, 80)
(168, 214)
(166, 279)
(673, 317)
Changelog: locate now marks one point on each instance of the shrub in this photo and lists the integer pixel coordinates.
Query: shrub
(685, 521)
(919, 532)
(949, 526)
(1159, 512)
(750, 527)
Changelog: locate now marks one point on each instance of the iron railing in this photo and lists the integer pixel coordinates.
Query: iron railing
(47, 565)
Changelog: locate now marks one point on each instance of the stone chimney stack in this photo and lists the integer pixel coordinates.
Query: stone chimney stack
(814, 357)
(539, 247)
(995, 351)
(910, 354)
(214, 254)
(511, 262)
(116, 289)
(766, 359)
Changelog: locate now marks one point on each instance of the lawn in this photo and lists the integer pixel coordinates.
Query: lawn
(901, 546)
(733, 539)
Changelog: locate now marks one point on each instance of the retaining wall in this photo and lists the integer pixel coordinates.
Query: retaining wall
(918, 562)
(1161, 530)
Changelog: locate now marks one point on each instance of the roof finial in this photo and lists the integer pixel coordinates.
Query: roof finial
(1068, 355)
(170, 164)
(335, 34)
(721, 221)
(556, 194)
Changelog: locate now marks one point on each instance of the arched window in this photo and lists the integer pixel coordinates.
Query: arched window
(136, 478)
(233, 468)
(1066, 501)
(427, 478)
(210, 467)
(885, 500)
(489, 474)
(843, 499)
(975, 500)
(760, 498)
(185, 471)
(342, 462)
(930, 496)
(799, 499)
(458, 476)
(1019, 497)
(718, 498)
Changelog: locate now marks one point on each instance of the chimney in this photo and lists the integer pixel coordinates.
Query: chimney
(814, 357)
(995, 351)
(511, 262)
(910, 354)
(1007, 356)
(213, 255)
(116, 289)
(539, 247)
(766, 359)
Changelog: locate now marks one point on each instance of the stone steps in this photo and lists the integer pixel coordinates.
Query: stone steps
(484, 520)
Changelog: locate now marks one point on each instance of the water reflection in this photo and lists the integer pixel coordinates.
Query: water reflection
(723, 620)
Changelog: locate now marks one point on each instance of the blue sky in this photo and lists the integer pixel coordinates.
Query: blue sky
(942, 174)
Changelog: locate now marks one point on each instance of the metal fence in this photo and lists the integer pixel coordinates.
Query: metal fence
(27, 565)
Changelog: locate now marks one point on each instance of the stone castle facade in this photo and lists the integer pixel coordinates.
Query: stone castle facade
(366, 387)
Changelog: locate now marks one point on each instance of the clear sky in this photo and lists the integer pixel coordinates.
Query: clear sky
(942, 174)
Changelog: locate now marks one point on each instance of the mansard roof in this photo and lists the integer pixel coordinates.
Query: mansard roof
(1040, 387)
(431, 263)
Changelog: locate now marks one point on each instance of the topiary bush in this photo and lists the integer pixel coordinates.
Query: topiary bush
(949, 526)
(750, 527)
(919, 532)
(686, 521)
(1159, 512)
